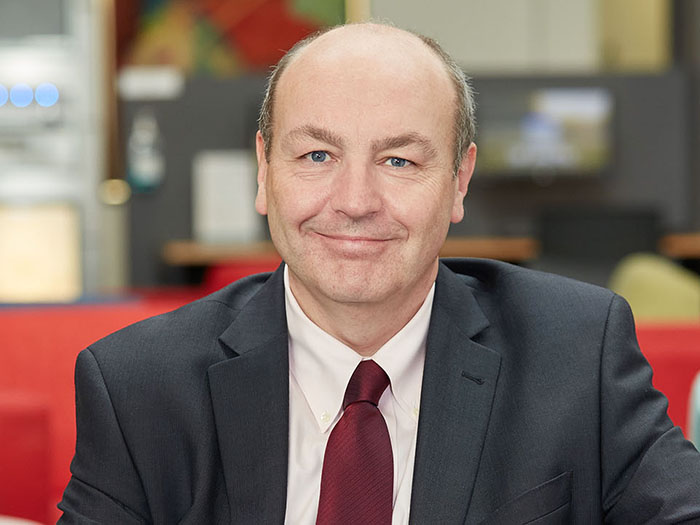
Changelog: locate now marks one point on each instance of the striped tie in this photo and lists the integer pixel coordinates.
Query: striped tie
(358, 468)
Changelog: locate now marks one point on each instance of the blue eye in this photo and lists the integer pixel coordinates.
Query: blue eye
(397, 162)
(317, 156)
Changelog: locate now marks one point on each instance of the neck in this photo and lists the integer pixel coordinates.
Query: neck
(364, 327)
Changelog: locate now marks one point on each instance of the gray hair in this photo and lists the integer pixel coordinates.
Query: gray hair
(465, 120)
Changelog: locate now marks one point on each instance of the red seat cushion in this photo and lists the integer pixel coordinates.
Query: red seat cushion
(24, 456)
(39, 347)
(674, 354)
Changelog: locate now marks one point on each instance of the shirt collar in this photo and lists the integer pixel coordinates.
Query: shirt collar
(322, 365)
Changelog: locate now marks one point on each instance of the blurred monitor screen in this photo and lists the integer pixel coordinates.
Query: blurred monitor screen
(546, 131)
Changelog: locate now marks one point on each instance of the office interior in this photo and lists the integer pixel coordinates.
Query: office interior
(127, 174)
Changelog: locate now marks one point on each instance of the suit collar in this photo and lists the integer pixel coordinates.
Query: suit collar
(265, 311)
(250, 396)
(456, 296)
(459, 384)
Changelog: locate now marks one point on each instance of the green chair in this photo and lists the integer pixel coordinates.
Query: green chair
(694, 413)
(657, 288)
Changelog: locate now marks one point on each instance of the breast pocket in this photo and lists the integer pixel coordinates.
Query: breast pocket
(548, 503)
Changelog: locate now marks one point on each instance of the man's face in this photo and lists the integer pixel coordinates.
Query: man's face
(358, 187)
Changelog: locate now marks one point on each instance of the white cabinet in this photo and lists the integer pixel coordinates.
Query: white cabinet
(52, 147)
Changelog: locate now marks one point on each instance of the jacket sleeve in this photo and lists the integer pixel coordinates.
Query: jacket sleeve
(105, 486)
(650, 473)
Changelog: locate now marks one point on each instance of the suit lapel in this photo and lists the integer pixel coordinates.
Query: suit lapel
(250, 396)
(459, 383)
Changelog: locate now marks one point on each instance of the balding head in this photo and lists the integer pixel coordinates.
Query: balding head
(374, 38)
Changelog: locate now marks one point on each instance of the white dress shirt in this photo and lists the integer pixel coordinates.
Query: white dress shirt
(320, 367)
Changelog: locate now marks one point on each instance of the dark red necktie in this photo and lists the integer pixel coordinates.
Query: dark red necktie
(357, 482)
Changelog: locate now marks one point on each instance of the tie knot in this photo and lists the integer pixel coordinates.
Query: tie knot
(367, 383)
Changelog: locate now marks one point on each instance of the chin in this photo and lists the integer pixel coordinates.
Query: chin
(353, 294)
(354, 288)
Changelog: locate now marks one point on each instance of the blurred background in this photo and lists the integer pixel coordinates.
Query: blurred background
(127, 172)
(127, 128)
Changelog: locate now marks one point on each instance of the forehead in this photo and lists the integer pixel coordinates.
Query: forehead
(368, 41)
(362, 73)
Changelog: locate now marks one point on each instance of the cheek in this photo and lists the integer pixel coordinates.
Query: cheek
(422, 207)
(293, 201)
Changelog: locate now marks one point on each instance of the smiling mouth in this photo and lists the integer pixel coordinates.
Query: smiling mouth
(354, 246)
(353, 238)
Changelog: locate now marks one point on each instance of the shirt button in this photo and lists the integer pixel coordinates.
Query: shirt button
(415, 411)
(325, 417)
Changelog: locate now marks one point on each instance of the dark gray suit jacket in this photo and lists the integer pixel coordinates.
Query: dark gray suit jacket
(537, 407)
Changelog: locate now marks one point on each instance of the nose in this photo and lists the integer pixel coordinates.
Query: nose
(356, 192)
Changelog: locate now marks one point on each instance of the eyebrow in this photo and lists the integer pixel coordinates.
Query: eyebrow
(317, 133)
(406, 139)
(327, 136)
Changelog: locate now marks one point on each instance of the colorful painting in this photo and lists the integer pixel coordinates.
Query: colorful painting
(225, 37)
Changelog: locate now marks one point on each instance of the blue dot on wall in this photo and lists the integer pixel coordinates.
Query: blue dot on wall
(4, 95)
(46, 94)
(21, 95)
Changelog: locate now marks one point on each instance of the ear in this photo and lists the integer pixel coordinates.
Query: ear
(261, 197)
(464, 175)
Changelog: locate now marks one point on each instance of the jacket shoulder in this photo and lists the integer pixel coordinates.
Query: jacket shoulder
(500, 277)
(193, 326)
(527, 298)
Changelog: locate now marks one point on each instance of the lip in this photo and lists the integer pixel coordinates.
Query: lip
(352, 238)
(353, 246)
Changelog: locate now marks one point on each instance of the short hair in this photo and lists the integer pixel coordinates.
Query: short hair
(465, 120)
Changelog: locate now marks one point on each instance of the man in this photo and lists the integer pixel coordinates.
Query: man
(513, 396)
